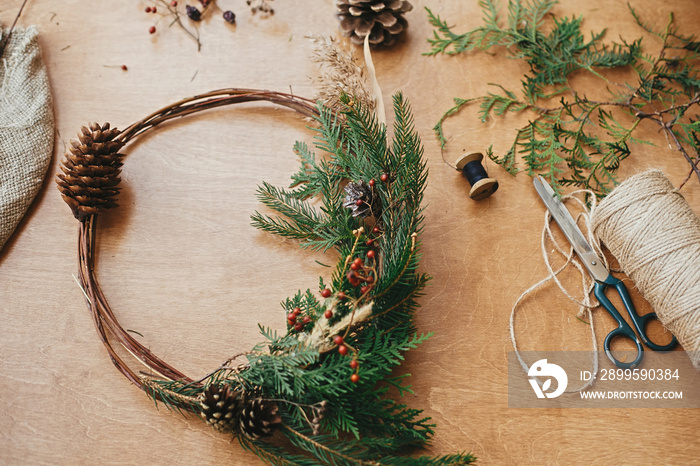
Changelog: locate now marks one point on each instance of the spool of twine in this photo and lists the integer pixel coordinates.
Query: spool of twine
(655, 236)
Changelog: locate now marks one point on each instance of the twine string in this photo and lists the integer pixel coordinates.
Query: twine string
(586, 304)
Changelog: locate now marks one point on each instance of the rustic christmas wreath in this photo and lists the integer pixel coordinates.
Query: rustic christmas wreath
(324, 384)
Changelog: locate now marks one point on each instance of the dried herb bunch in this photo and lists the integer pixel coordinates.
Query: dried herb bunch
(339, 74)
(580, 141)
(317, 394)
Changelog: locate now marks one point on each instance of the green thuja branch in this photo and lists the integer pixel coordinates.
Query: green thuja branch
(579, 141)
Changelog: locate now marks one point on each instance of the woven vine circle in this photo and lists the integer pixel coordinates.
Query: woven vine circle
(318, 393)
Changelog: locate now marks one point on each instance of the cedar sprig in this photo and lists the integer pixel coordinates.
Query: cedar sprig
(579, 141)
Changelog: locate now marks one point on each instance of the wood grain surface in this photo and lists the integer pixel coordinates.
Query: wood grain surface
(181, 264)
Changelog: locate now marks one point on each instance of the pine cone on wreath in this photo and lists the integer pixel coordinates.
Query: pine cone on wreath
(382, 20)
(91, 169)
(360, 199)
(221, 407)
(260, 418)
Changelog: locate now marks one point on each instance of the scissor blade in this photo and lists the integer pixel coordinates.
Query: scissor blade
(572, 232)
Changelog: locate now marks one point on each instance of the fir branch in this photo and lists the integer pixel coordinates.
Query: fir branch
(458, 459)
(176, 396)
(274, 455)
(329, 449)
(282, 227)
(560, 142)
(289, 205)
(376, 321)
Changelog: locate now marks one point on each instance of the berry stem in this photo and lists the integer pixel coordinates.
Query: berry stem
(172, 9)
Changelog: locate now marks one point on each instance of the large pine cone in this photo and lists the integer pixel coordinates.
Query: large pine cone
(260, 418)
(382, 20)
(91, 171)
(221, 407)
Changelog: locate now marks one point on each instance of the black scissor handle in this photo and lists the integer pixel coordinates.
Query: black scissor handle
(639, 322)
(623, 329)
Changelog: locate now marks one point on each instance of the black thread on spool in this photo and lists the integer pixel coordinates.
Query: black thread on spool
(474, 172)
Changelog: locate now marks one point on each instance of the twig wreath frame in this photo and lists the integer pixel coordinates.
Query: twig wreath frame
(320, 392)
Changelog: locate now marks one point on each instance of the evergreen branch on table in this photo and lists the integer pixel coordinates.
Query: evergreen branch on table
(282, 227)
(580, 141)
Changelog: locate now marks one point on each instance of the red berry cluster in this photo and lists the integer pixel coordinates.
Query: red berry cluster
(326, 293)
(362, 272)
(151, 9)
(375, 231)
(295, 320)
(343, 350)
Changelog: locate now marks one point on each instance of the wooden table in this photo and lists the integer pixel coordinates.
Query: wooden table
(181, 264)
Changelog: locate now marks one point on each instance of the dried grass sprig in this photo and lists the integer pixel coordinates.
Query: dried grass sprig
(339, 74)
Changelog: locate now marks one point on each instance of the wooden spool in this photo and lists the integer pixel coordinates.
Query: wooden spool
(481, 185)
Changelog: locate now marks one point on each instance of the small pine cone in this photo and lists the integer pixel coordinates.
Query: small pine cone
(260, 418)
(91, 171)
(361, 200)
(221, 407)
(383, 20)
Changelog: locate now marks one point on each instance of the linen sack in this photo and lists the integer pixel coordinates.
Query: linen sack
(26, 126)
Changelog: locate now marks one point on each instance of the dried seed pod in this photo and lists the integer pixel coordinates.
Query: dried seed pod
(193, 13)
(230, 17)
(91, 170)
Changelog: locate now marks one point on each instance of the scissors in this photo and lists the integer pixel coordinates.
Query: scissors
(603, 280)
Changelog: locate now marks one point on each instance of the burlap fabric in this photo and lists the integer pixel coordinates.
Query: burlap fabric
(26, 127)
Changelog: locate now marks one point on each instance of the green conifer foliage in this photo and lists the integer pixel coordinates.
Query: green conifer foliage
(579, 141)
